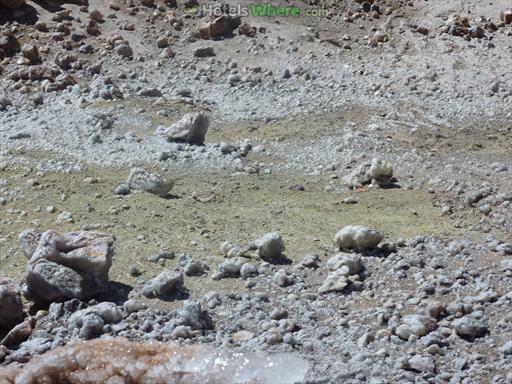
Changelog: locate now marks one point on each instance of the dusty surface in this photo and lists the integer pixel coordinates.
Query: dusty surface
(315, 98)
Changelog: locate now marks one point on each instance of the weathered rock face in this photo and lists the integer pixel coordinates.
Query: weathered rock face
(11, 307)
(141, 181)
(154, 362)
(163, 285)
(378, 172)
(358, 238)
(66, 266)
(270, 246)
(9, 44)
(19, 333)
(191, 128)
(51, 282)
(222, 26)
(381, 172)
(336, 281)
(13, 4)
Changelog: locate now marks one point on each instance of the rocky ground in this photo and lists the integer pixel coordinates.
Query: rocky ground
(335, 188)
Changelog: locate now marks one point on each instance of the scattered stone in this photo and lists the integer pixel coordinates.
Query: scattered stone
(31, 53)
(204, 52)
(424, 364)
(311, 260)
(470, 328)
(247, 30)
(506, 348)
(125, 51)
(162, 42)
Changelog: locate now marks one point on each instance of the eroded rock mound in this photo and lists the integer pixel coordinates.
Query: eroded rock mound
(66, 266)
(117, 360)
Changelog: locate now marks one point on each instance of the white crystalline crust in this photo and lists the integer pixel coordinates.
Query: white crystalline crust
(117, 360)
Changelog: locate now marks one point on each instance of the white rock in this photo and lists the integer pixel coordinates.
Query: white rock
(191, 128)
(270, 246)
(381, 171)
(336, 281)
(141, 181)
(358, 238)
(353, 262)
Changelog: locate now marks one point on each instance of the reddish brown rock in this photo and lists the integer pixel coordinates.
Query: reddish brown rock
(506, 16)
(11, 307)
(222, 26)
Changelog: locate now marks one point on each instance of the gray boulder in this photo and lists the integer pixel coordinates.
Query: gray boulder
(193, 315)
(66, 266)
(191, 129)
(51, 282)
(11, 307)
(270, 246)
(163, 284)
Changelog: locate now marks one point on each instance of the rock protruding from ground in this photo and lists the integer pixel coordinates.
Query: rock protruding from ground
(140, 180)
(159, 363)
(358, 238)
(13, 4)
(11, 307)
(270, 246)
(381, 172)
(67, 266)
(9, 44)
(194, 316)
(191, 129)
(164, 285)
(378, 172)
(222, 26)
(90, 321)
